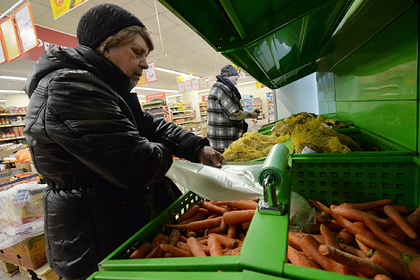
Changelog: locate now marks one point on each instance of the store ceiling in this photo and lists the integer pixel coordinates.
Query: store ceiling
(177, 46)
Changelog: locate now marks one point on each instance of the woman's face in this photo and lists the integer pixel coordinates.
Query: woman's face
(131, 58)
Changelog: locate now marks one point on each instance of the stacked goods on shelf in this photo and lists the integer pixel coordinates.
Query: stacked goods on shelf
(257, 103)
(203, 110)
(12, 123)
(247, 102)
(184, 114)
(155, 107)
(270, 106)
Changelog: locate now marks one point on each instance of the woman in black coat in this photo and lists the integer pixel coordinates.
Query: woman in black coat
(103, 158)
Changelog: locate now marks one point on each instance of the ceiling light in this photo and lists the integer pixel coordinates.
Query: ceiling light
(246, 83)
(203, 90)
(156, 89)
(176, 95)
(175, 72)
(12, 78)
(11, 91)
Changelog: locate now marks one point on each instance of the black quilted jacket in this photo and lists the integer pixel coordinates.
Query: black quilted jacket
(102, 157)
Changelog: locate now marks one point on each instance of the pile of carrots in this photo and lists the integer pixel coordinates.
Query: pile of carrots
(206, 228)
(377, 240)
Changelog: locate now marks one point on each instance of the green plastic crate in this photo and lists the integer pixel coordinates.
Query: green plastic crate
(266, 236)
(164, 275)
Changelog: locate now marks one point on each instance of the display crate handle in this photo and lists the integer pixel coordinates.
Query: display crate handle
(271, 177)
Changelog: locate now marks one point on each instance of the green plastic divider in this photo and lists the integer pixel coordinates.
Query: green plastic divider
(164, 275)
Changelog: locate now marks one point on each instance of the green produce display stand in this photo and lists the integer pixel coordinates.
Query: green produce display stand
(266, 236)
(164, 275)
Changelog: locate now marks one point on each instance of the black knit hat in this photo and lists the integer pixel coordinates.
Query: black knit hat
(102, 21)
(228, 70)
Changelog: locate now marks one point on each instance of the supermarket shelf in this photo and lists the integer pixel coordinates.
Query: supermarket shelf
(12, 125)
(182, 111)
(12, 114)
(11, 138)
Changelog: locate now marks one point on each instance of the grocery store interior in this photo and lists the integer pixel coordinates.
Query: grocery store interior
(337, 83)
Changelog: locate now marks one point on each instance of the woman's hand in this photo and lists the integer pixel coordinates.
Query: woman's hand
(210, 156)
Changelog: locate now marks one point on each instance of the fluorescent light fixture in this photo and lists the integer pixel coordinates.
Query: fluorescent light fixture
(203, 90)
(174, 72)
(155, 89)
(247, 83)
(141, 96)
(11, 91)
(176, 95)
(2, 100)
(12, 78)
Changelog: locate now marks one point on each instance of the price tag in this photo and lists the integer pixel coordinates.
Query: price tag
(151, 75)
(203, 82)
(26, 27)
(181, 87)
(210, 80)
(195, 84)
(188, 86)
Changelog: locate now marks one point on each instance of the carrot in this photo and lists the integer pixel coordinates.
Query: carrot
(381, 277)
(226, 241)
(175, 252)
(310, 246)
(206, 249)
(192, 210)
(313, 228)
(174, 236)
(157, 238)
(365, 206)
(236, 251)
(207, 223)
(396, 268)
(142, 251)
(404, 211)
(333, 225)
(239, 204)
(352, 228)
(242, 236)
(205, 211)
(238, 216)
(329, 237)
(157, 252)
(361, 224)
(357, 264)
(245, 225)
(388, 240)
(322, 217)
(183, 239)
(344, 236)
(331, 240)
(183, 246)
(394, 215)
(379, 246)
(196, 217)
(294, 239)
(362, 246)
(358, 215)
(298, 258)
(413, 220)
(195, 247)
(413, 266)
(317, 237)
(211, 207)
(352, 250)
(190, 233)
(231, 230)
(214, 246)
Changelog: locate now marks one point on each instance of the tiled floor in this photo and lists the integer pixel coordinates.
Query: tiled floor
(17, 276)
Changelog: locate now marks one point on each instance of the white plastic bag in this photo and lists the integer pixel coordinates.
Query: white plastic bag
(234, 181)
(21, 213)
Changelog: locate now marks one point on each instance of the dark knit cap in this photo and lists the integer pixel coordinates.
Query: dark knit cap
(228, 70)
(102, 21)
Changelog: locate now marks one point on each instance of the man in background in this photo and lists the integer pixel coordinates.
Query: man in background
(226, 117)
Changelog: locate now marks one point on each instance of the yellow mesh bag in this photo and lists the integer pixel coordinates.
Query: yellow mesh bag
(252, 146)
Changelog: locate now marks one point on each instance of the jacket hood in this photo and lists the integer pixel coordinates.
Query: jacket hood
(80, 58)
